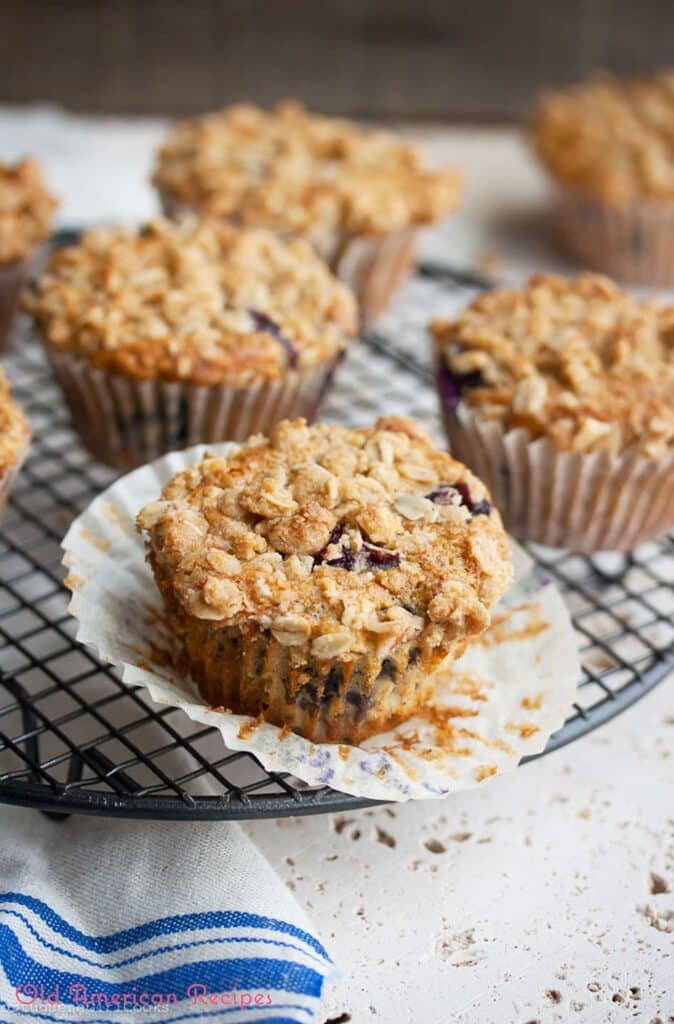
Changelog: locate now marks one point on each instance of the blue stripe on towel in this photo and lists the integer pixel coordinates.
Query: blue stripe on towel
(216, 975)
(161, 926)
(151, 952)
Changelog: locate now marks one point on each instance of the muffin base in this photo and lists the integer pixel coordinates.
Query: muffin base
(329, 701)
(633, 243)
(12, 278)
(125, 422)
(584, 502)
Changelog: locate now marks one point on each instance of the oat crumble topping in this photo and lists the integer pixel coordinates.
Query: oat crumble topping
(579, 361)
(611, 138)
(343, 541)
(26, 209)
(301, 174)
(14, 432)
(195, 301)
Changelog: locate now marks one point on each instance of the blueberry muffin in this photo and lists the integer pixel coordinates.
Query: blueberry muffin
(609, 147)
(187, 332)
(321, 576)
(26, 215)
(561, 396)
(356, 195)
(14, 439)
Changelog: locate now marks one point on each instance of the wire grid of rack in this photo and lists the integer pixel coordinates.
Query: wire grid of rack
(73, 738)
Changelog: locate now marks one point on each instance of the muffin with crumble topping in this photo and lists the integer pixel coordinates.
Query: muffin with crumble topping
(26, 215)
(188, 332)
(561, 396)
(14, 439)
(608, 146)
(321, 576)
(357, 195)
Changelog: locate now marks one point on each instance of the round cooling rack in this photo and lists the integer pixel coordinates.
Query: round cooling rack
(73, 738)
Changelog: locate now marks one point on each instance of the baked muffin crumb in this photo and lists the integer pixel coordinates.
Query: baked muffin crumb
(26, 210)
(192, 301)
(579, 361)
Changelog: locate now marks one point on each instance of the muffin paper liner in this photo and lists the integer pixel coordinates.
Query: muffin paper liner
(12, 278)
(125, 422)
(585, 502)
(9, 474)
(373, 267)
(633, 243)
(499, 703)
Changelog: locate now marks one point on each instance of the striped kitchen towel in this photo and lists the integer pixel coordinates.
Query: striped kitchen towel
(122, 922)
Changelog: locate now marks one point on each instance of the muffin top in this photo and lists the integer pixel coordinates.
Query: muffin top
(14, 432)
(578, 361)
(301, 174)
(344, 540)
(194, 301)
(26, 209)
(611, 138)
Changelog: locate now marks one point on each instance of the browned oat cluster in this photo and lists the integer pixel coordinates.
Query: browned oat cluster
(335, 547)
(192, 301)
(14, 432)
(301, 174)
(611, 138)
(579, 361)
(26, 210)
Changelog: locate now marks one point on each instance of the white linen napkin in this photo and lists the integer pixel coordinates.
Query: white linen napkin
(109, 921)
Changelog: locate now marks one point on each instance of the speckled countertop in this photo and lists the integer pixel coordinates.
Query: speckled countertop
(546, 895)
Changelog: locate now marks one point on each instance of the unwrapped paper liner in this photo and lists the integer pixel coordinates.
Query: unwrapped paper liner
(583, 501)
(500, 702)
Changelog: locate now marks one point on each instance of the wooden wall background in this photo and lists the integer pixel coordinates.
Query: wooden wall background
(421, 59)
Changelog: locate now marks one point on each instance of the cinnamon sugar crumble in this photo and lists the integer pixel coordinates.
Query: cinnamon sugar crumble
(301, 174)
(26, 210)
(14, 431)
(578, 361)
(612, 138)
(194, 301)
(327, 538)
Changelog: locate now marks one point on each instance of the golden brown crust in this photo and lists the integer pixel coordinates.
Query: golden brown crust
(328, 537)
(26, 210)
(193, 301)
(611, 138)
(578, 361)
(14, 430)
(301, 174)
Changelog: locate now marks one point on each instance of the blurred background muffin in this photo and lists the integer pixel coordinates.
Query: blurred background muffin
(356, 195)
(609, 147)
(26, 215)
(560, 396)
(187, 332)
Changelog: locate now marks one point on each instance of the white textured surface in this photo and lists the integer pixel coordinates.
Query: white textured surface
(545, 903)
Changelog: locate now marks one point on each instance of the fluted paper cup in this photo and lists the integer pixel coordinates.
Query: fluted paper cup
(500, 702)
(12, 278)
(373, 267)
(584, 502)
(125, 422)
(633, 243)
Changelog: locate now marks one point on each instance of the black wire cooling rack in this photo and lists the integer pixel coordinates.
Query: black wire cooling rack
(73, 738)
